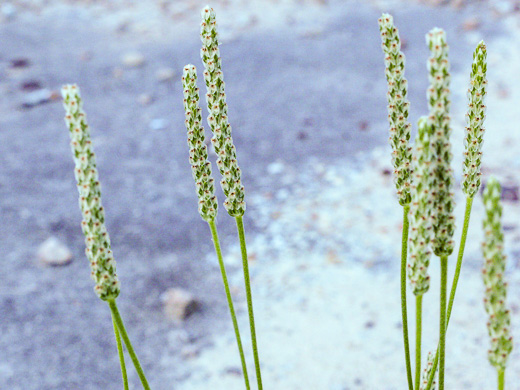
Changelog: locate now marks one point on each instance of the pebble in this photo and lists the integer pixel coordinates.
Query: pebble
(8, 11)
(190, 351)
(275, 168)
(133, 60)
(38, 97)
(53, 252)
(179, 304)
(165, 74)
(19, 63)
(471, 24)
(145, 99)
(30, 85)
(158, 124)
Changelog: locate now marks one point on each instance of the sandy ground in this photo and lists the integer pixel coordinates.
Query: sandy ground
(307, 103)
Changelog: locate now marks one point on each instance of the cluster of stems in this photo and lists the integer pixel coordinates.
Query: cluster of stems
(226, 162)
(428, 222)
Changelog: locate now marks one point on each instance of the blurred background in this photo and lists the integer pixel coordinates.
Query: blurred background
(307, 102)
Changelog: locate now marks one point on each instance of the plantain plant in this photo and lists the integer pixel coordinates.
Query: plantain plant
(423, 179)
(424, 182)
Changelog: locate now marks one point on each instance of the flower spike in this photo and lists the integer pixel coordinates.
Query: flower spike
(102, 263)
(475, 120)
(493, 276)
(398, 106)
(218, 120)
(439, 105)
(420, 235)
(200, 166)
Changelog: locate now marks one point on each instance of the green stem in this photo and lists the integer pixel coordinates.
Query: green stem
(120, 353)
(501, 379)
(216, 243)
(418, 334)
(245, 265)
(442, 325)
(404, 253)
(467, 214)
(119, 321)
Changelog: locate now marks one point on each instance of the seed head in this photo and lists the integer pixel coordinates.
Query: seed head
(420, 235)
(439, 105)
(218, 118)
(493, 276)
(99, 254)
(200, 166)
(474, 122)
(398, 106)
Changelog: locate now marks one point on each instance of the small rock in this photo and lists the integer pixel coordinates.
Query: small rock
(133, 59)
(30, 85)
(234, 371)
(86, 55)
(510, 192)
(38, 97)
(275, 168)
(363, 126)
(332, 257)
(503, 7)
(179, 304)
(165, 74)
(190, 351)
(8, 11)
(17, 63)
(158, 123)
(145, 99)
(53, 252)
(471, 24)
(302, 135)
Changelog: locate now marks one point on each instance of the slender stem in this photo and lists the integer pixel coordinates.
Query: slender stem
(501, 379)
(404, 253)
(245, 265)
(442, 326)
(126, 339)
(418, 334)
(216, 243)
(121, 354)
(467, 214)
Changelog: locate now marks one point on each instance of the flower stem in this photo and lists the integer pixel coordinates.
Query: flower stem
(442, 325)
(404, 252)
(501, 379)
(245, 265)
(119, 321)
(121, 354)
(418, 334)
(467, 214)
(216, 243)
